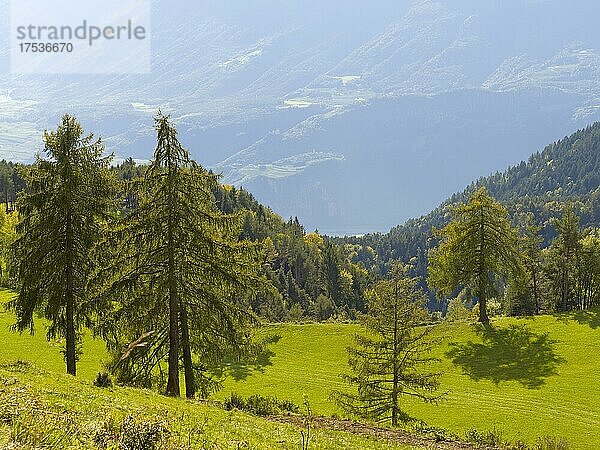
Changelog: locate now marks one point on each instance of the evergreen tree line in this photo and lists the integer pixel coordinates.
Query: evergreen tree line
(11, 183)
(481, 257)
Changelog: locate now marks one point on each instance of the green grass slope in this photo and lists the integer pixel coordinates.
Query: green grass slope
(526, 378)
(37, 350)
(41, 407)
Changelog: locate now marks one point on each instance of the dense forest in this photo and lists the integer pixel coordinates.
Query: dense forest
(313, 277)
(320, 278)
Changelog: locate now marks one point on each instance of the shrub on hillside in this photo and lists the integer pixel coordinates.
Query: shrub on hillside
(260, 405)
(551, 443)
(296, 313)
(131, 433)
(493, 439)
(103, 380)
(457, 311)
(322, 308)
(235, 401)
(486, 439)
(423, 429)
(18, 366)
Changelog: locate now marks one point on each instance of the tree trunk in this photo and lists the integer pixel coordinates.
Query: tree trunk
(535, 291)
(71, 339)
(565, 289)
(173, 382)
(395, 381)
(70, 301)
(483, 317)
(190, 382)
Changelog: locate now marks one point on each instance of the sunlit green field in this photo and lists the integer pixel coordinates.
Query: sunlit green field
(41, 407)
(36, 349)
(56, 411)
(525, 378)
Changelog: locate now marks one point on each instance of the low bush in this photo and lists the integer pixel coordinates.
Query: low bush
(131, 434)
(435, 433)
(551, 443)
(103, 380)
(260, 405)
(485, 438)
(493, 439)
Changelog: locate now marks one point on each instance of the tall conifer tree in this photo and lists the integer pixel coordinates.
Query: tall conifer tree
(533, 262)
(565, 254)
(477, 246)
(68, 198)
(178, 271)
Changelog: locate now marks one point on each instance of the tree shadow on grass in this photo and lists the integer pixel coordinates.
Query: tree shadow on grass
(590, 317)
(508, 354)
(241, 369)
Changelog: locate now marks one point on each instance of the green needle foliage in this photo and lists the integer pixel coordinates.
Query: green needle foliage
(477, 247)
(177, 275)
(533, 263)
(564, 259)
(68, 198)
(389, 361)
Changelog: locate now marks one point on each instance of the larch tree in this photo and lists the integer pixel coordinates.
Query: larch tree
(6, 182)
(68, 199)
(476, 248)
(332, 273)
(177, 275)
(588, 286)
(8, 234)
(531, 244)
(532, 260)
(390, 361)
(564, 257)
(524, 293)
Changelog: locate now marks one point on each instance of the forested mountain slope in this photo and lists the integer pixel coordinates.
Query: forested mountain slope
(312, 276)
(566, 171)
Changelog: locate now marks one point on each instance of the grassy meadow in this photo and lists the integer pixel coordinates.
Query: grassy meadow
(41, 407)
(525, 378)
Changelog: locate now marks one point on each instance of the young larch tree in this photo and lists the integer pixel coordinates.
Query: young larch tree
(390, 360)
(478, 246)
